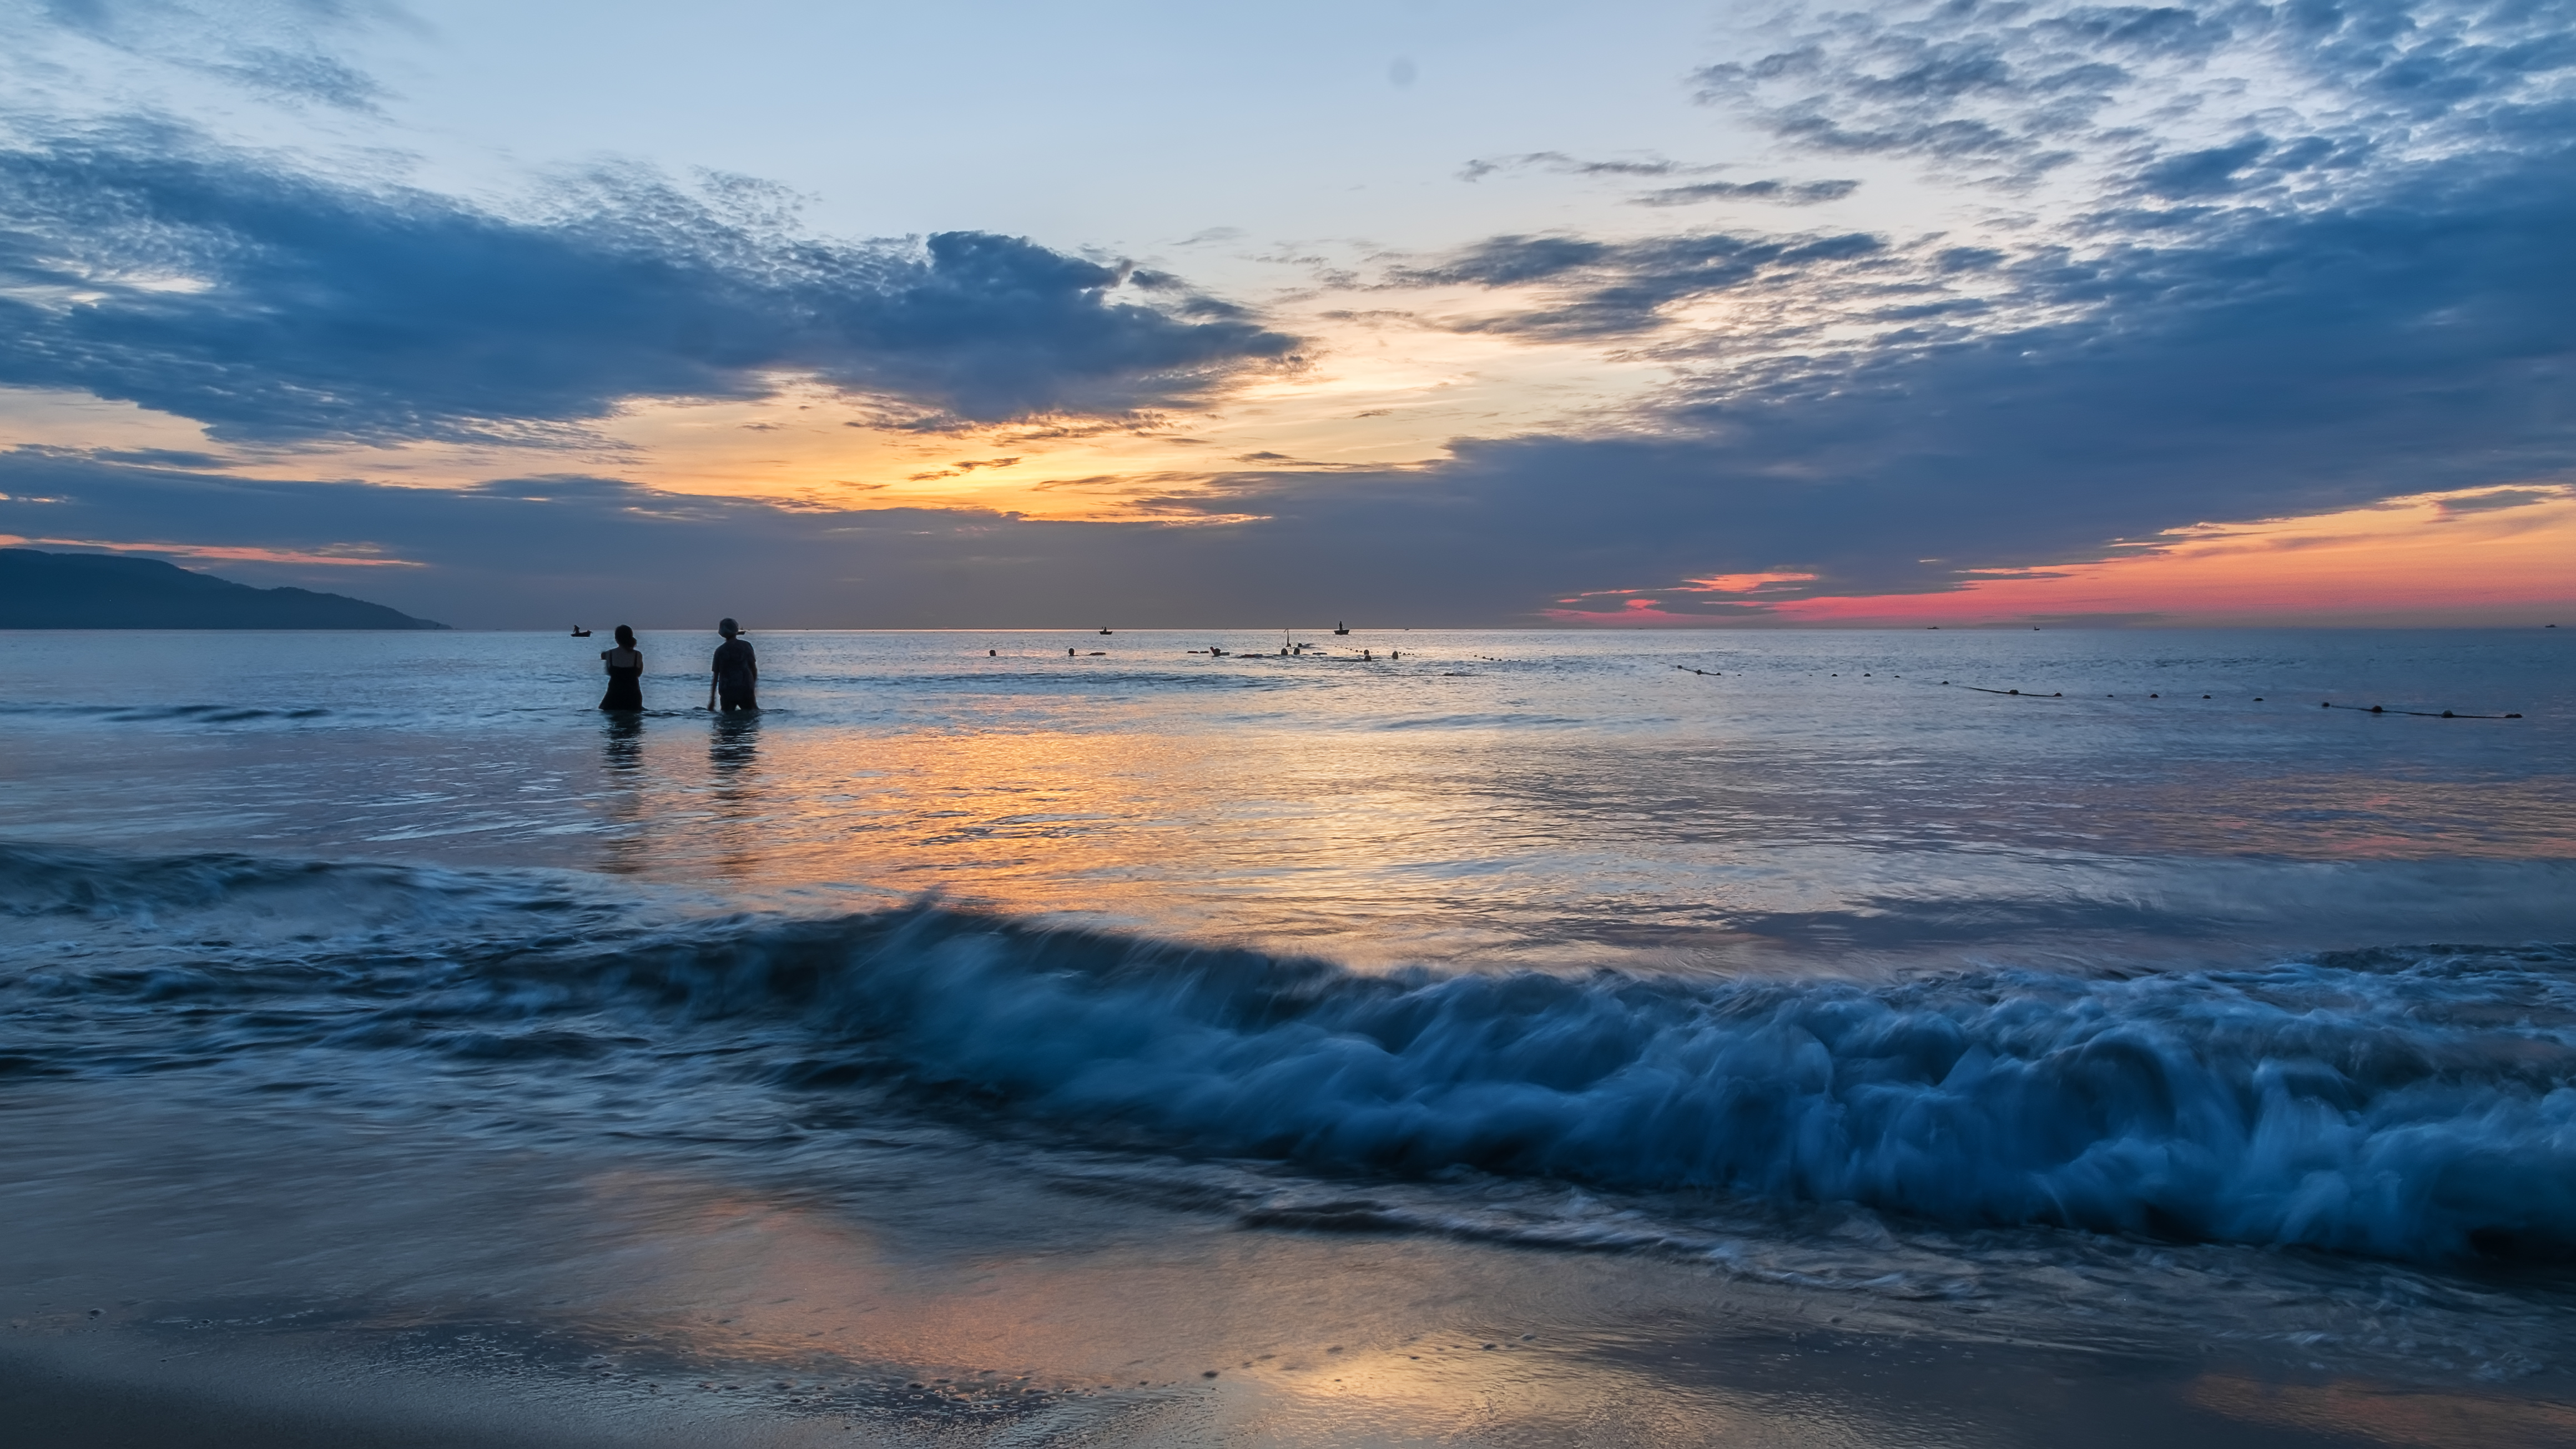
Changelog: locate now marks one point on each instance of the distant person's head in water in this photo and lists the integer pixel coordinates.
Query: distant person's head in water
(625, 637)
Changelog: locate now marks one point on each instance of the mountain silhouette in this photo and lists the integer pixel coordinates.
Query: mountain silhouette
(40, 590)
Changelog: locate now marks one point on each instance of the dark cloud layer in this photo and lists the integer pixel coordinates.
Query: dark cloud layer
(2366, 300)
(2255, 364)
(2316, 90)
(2245, 364)
(2355, 289)
(271, 304)
(541, 551)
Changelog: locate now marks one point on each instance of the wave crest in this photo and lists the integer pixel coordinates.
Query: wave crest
(2406, 1104)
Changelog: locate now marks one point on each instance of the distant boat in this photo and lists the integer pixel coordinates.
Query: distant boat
(1340, 628)
(1104, 631)
(579, 632)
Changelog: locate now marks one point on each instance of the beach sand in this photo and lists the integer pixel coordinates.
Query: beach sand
(340, 1285)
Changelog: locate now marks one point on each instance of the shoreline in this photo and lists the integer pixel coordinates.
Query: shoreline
(347, 1284)
(1616, 1380)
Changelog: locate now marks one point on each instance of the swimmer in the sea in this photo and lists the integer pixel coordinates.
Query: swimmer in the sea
(736, 681)
(625, 673)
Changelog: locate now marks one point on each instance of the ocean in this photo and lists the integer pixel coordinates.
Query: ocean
(1935, 1036)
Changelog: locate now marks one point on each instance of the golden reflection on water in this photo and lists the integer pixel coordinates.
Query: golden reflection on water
(738, 796)
(1375, 846)
(2389, 1414)
(1294, 1339)
(622, 798)
(1133, 829)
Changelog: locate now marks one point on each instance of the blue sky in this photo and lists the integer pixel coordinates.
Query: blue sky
(1013, 315)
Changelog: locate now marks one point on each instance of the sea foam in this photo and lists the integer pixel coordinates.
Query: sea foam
(2413, 1104)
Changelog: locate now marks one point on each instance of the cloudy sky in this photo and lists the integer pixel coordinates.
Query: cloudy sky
(1417, 312)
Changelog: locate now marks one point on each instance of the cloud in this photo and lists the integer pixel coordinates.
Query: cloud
(1788, 193)
(2186, 97)
(273, 305)
(2245, 363)
(2276, 365)
(2260, 261)
(1565, 165)
(1607, 289)
(2500, 499)
(2290, 259)
(282, 50)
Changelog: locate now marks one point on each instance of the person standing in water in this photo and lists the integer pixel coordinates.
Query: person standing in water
(737, 672)
(625, 673)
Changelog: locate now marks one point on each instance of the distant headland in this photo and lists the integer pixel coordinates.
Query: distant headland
(40, 590)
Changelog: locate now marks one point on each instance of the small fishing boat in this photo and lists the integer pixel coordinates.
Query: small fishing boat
(579, 632)
(1104, 630)
(1340, 628)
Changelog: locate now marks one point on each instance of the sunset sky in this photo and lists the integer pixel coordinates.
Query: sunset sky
(1420, 312)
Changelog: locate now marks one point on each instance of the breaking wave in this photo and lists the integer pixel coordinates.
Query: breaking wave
(2402, 1103)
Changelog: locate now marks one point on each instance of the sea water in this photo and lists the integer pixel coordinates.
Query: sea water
(2147, 988)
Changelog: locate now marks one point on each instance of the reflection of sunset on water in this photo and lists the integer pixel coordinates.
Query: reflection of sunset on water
(1446, 807)
(1555, 800)
(1322, 1339)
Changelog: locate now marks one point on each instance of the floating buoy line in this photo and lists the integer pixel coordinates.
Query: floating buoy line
(2417, 713)
(2258, 699)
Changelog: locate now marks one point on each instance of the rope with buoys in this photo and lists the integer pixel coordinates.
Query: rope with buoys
(2417, 713)
(2258, 699)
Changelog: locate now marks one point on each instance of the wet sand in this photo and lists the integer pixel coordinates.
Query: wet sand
(338, 1285)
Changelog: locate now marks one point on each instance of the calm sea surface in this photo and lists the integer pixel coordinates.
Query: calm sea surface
(2152, 1003)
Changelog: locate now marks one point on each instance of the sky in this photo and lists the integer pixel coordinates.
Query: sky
(1413, 313)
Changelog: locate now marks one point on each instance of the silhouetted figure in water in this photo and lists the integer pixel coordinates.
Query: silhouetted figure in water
(736, 684)
(625, 673)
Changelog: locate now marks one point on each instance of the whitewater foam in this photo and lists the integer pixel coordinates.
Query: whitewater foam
(2405, 1104)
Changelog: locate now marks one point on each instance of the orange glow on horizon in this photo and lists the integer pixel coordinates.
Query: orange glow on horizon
(216, 553)
(1378, 390)
(2492, 555)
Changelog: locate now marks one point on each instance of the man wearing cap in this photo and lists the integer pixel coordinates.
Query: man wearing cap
(737, 672)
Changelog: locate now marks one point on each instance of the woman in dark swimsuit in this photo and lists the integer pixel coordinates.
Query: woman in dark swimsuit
(625, 673)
